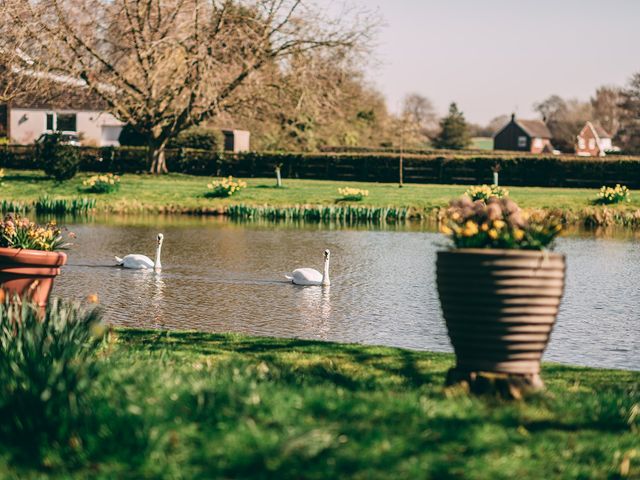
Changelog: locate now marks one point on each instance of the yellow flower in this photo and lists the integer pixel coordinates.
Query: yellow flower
(498, 224)
(471, 227)
(493, 233)
(446, 230)
(518, 234)
(484, 227)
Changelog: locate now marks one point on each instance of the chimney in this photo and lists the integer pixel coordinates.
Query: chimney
(513, 117)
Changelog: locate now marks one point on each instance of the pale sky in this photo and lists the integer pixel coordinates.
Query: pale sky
(497, 56)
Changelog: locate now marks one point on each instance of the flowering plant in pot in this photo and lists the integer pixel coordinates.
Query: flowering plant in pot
(29, 257)
(500, 289)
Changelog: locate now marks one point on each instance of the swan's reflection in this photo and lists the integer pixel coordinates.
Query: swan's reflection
(158, 300)
(316, 309)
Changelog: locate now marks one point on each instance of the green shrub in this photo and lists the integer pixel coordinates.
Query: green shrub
(224, 188)
(129, 137)
(485, 192)
(200, 138)
(59, 161)
(610, 196)
(107, 183)
(48, 365)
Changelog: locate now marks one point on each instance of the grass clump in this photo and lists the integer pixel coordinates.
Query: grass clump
(48, 365)
(62, 206)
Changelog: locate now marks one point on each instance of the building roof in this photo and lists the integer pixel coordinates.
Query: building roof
(56, 92)
(534, 128)
(601, 132)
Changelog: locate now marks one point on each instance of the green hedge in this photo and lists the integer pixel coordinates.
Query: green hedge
(453, 168)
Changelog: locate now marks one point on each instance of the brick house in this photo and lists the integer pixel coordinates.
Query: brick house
(524, 136)
(593, 141)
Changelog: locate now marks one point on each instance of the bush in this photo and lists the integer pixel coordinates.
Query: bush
(485, 192)
(609, 196)
(107, 183)
(224, 188)
(200, 138)
(48, 365)
(348, 194)
(59, 161)
(129, 137)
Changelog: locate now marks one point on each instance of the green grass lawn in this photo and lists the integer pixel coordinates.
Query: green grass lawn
(482, 143)
(187, 405)
(186, 193)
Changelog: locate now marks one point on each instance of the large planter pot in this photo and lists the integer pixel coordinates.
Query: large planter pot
(500, 307)
(29, 272)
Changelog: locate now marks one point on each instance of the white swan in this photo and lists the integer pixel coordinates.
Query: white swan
(142, 262)
(310, 276)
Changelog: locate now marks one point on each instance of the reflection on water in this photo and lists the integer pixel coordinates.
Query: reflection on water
(226, 276)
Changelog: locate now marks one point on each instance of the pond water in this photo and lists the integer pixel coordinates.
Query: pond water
(221, 276)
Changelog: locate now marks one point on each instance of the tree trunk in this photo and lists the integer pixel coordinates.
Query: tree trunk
(156, 156)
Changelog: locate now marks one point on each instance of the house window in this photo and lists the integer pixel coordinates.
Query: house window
(522, 142)
(581, 143)
(66, 122)
(592, 143)
(51, 121)
(537, 143)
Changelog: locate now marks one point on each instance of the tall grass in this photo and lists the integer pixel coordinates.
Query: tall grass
(61, 206)
(48, 364)
(7, 206)
(348, 213)
(44, 204)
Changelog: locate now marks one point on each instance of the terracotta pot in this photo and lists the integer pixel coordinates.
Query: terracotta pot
(500, 307)
(29, 272)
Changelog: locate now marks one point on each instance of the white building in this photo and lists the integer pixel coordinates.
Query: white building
(24, 124)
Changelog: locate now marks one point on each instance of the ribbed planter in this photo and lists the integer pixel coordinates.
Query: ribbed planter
(500, 307)
(29, 272)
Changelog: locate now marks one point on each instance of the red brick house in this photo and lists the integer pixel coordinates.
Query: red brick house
(593, 141)
(524, 136)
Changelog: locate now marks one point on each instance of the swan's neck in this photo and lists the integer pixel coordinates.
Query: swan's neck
(325, 273)
(157, 265)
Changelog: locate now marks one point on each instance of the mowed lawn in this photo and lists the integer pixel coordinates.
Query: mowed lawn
(184, 192)
(195, 405)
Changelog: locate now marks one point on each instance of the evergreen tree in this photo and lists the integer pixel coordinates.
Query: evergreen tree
(454, 131)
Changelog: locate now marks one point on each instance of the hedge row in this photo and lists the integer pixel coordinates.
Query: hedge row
(461, 168)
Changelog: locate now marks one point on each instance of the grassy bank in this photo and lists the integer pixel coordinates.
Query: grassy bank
(185, 194)
(186, 405)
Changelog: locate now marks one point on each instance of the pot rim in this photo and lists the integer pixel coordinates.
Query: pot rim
(504, 252)
(32, 257)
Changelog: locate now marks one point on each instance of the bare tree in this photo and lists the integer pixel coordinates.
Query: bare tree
(629, 132)
(606, 108)
(418, 110)
(18, 72)
(164, 65)
(565, 119)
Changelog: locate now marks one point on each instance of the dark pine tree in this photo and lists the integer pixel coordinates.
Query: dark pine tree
(454, 131)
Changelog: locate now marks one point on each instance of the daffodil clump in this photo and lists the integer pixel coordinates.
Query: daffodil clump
(102, 183)
(485, 192)
(1, 175)
(225, 187)
(352, 194)
(617, 194)
(20, 232)
(497, 223)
